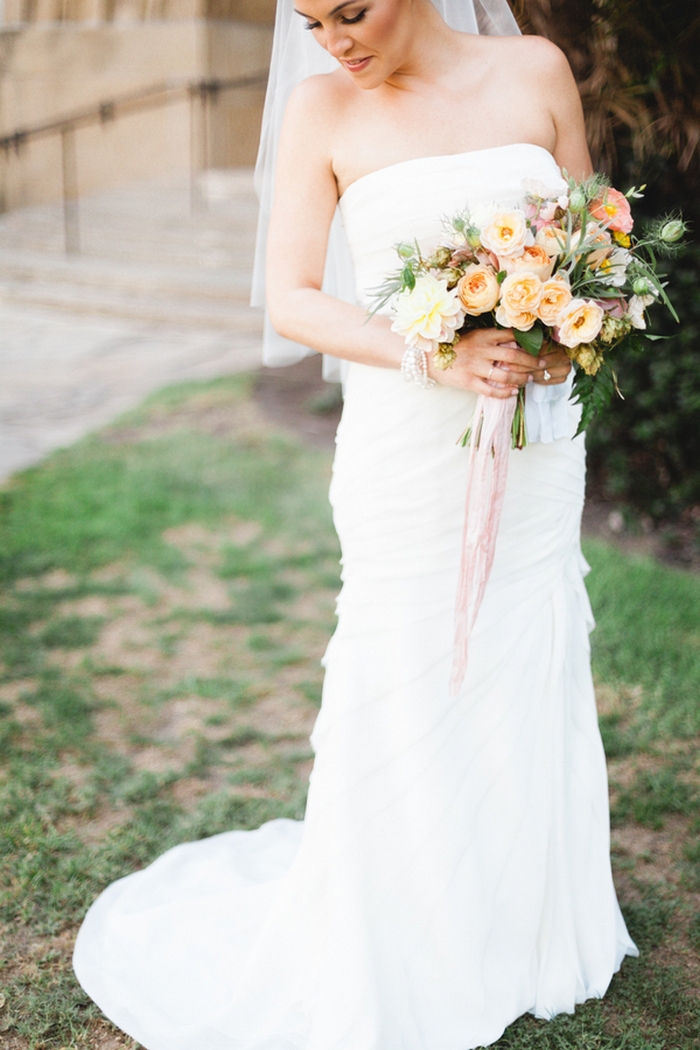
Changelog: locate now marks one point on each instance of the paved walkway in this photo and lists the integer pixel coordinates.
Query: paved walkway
(157, 295)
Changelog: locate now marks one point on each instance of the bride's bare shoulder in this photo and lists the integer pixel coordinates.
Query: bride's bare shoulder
(320, 97)
(538, 73)
(533, 55)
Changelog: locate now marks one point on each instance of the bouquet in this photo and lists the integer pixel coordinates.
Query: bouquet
(564, 269)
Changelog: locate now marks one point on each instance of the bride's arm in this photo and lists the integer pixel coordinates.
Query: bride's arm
(304, 204)
(305, 199)
(560, 92)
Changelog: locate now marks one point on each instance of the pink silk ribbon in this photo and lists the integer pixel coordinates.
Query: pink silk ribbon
(489, 447)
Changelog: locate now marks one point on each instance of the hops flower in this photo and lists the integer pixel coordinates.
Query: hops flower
(428, 315)
(445, 356)
(588, 358)
(478, 290)
(613, 328)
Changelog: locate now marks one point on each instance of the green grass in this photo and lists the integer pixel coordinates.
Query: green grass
(101, 500)
(97, 778)
(648, 635)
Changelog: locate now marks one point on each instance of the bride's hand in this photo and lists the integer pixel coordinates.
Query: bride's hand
(490, 362)
(551, 367)
(557, 363)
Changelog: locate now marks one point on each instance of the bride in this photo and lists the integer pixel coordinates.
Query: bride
(452, 871)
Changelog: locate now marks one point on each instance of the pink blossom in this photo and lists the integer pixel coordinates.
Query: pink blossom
(488, 259)
(613, 211)
(614, 307)
(531, 210)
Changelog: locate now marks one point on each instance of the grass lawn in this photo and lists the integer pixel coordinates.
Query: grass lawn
(166, 592)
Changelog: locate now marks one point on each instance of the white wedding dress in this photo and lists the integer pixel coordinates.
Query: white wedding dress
(453, 868)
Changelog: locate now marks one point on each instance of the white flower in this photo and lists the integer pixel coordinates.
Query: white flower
(636, 307)
(428, 315)
(537, 188)
(506, 233)
(613, 270)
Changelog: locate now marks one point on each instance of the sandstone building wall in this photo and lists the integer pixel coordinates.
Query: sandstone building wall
(58, 57)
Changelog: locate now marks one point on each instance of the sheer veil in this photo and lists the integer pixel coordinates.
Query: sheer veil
(295, 56)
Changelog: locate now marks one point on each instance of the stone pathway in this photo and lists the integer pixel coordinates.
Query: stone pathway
(157, 295)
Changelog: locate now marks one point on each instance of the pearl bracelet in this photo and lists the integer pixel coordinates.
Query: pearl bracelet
(414, 367)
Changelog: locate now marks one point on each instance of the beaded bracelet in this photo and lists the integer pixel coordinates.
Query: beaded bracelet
(414, 367)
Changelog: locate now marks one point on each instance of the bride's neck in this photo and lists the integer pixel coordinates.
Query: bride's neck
(433, 48)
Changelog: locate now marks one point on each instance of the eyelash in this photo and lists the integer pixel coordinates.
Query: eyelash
(345, 21)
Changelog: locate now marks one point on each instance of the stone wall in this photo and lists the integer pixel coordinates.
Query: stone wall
(21, 12)
(63, 56)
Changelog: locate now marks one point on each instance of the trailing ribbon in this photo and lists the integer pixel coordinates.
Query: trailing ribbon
(489, 447)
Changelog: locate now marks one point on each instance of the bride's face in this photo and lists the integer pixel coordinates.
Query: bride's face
(369, 38)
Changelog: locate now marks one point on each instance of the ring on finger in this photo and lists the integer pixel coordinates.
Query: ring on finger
(488, 377)
(546, 375)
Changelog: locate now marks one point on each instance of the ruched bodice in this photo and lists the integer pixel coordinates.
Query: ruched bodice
(452, 871)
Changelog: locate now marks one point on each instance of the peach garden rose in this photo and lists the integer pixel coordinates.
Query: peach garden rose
(521, 291)
(552, 239)
(556, 295)
(580, 322)
(506, 233)
(478, 290)
(534, 258)
(523, 320)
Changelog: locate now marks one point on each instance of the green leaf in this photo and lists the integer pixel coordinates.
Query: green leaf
(530, 341)
(409, 278)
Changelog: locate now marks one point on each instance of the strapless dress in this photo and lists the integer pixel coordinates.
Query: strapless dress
(452, 871)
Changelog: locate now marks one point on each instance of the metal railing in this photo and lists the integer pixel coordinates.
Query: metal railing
(201, 94)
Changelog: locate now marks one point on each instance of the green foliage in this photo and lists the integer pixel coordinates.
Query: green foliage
(646, 449)
(594, 393)
(532, 340)
(636, 64)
